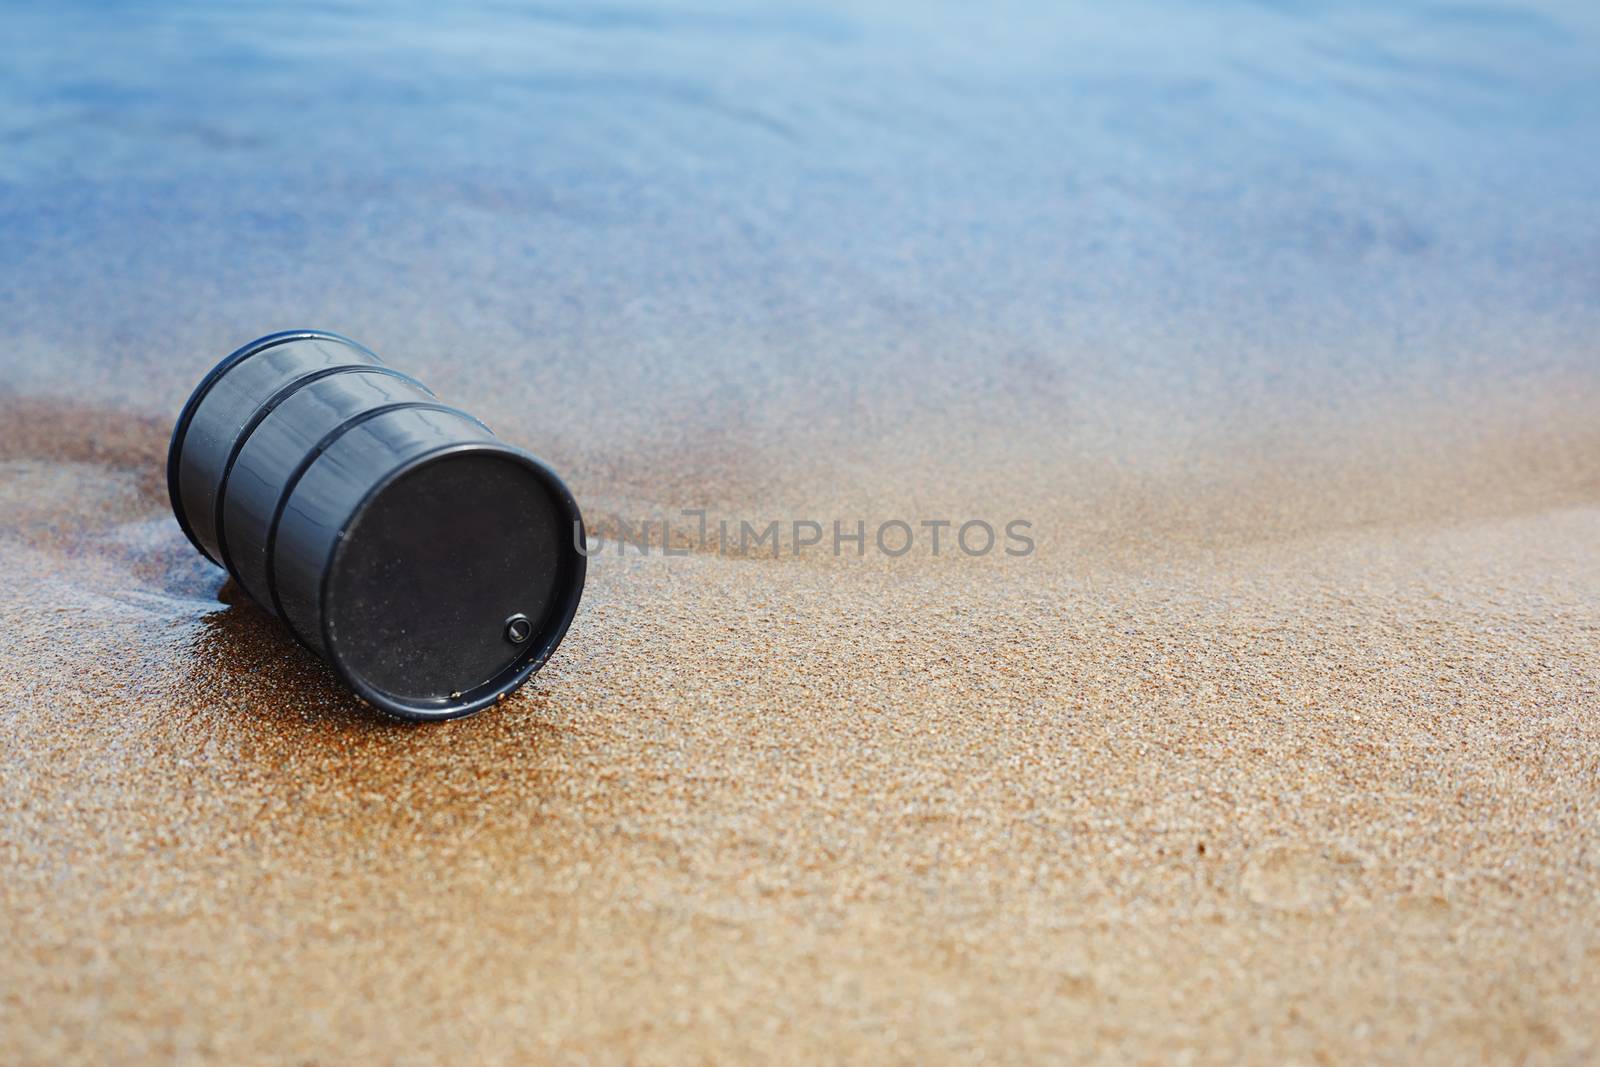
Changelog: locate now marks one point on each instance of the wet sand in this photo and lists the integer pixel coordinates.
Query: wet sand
(1283, 746)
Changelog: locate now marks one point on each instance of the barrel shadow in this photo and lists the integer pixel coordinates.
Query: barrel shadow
(243, 654)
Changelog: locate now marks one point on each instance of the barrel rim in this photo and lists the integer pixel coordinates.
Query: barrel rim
(563, 607)
(180, 428)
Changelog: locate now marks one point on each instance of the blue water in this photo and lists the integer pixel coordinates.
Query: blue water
(622, 226)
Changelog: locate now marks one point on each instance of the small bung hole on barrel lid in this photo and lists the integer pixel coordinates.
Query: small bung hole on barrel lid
(518, 629)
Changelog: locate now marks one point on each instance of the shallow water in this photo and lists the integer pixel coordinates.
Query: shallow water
(749, 231)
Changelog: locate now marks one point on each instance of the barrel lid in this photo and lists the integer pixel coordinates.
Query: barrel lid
(455, 578)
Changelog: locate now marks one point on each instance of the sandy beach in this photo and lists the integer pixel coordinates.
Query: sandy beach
(1282, 745)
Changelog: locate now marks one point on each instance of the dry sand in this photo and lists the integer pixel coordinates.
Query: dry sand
(1324, 794)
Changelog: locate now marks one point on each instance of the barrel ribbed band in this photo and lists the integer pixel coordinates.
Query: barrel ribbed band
(181, 428)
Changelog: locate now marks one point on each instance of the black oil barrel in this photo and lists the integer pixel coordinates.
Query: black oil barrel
(432, 565)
